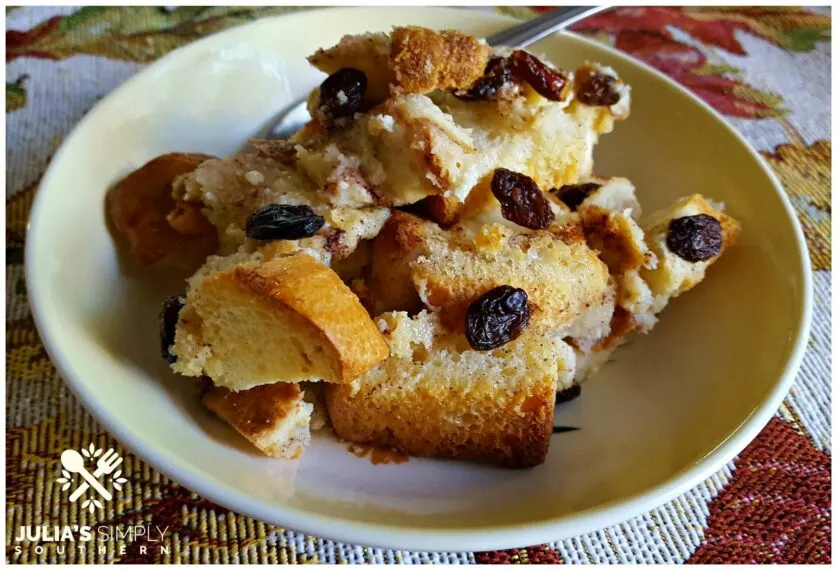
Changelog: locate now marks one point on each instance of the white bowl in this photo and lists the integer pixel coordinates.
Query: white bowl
(674, 407)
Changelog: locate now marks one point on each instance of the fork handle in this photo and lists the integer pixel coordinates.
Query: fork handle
(529, 32)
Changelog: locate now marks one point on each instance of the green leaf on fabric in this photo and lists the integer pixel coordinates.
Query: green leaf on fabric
(80, 17)
(132, 33)
(805, 39)
(716, 69)
(15, 96)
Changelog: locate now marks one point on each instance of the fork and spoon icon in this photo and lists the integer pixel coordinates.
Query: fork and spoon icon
(74, 463)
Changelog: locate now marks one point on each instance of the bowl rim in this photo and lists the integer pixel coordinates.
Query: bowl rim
(412, 538)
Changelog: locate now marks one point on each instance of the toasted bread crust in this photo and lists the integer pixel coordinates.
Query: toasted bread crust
(609, 235)
(411, 60)
(318, 294)
(730, 229)
(390, 284)
(249, 322)
(255, 411)
(423, 60)
(513, 436)
(159, 230)
(436, 396)
(444, 210)
(259, 413)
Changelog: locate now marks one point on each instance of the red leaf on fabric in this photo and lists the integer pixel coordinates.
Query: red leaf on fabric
(17, 41)
(659, 50)
(718, 32)
(641, 32)
(777, 506)
(533, 555)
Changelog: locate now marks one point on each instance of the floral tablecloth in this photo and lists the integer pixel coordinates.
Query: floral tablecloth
(766, 69)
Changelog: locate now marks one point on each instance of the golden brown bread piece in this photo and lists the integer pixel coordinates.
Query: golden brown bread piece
(410, 60)
(275, 418)
(436, 396)
(390, 284)
(672, 275)
(446, 210)
(646, 273)
(290, 319)
(424, 60)
(159, 230)
(448, 269)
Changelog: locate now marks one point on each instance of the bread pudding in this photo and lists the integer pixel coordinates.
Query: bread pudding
(429, 265)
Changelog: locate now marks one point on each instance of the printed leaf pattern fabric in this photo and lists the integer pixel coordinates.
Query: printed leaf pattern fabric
(140, 34)
(16, 94)
(772, 504)
(805, 172)
(644, 32)
(777, 507)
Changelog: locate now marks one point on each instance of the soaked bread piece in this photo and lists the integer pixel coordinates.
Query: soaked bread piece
(415, 263)
(673, 274)
(230, 190)
(290, 319)
(436, 396)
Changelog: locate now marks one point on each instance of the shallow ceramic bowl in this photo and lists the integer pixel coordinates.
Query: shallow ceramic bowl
(673, 407)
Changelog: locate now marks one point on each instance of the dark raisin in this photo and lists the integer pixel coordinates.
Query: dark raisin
(497, 317)
(521, 200)
(574, 194)
(568, 394)
(548, 82)
(169, 314)
(695, 238)
(497, 74)
(341, 94)
(278, 221)
(599, 90)
(205, 384)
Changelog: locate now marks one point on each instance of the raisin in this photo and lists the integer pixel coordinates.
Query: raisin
(498, 66)
(695, 238)
(278, 221)
(341, 94)
(497, 317)
(546, 81)
(574, 194)
(521, 200)
(169, 314)
(497, 74)
(568, 394)
(599, 90)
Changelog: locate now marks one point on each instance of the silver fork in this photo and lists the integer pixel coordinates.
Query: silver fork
(106, 465)
(295, 115)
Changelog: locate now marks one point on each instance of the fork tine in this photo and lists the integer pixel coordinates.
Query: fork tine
(117, 462)
(107, 454)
